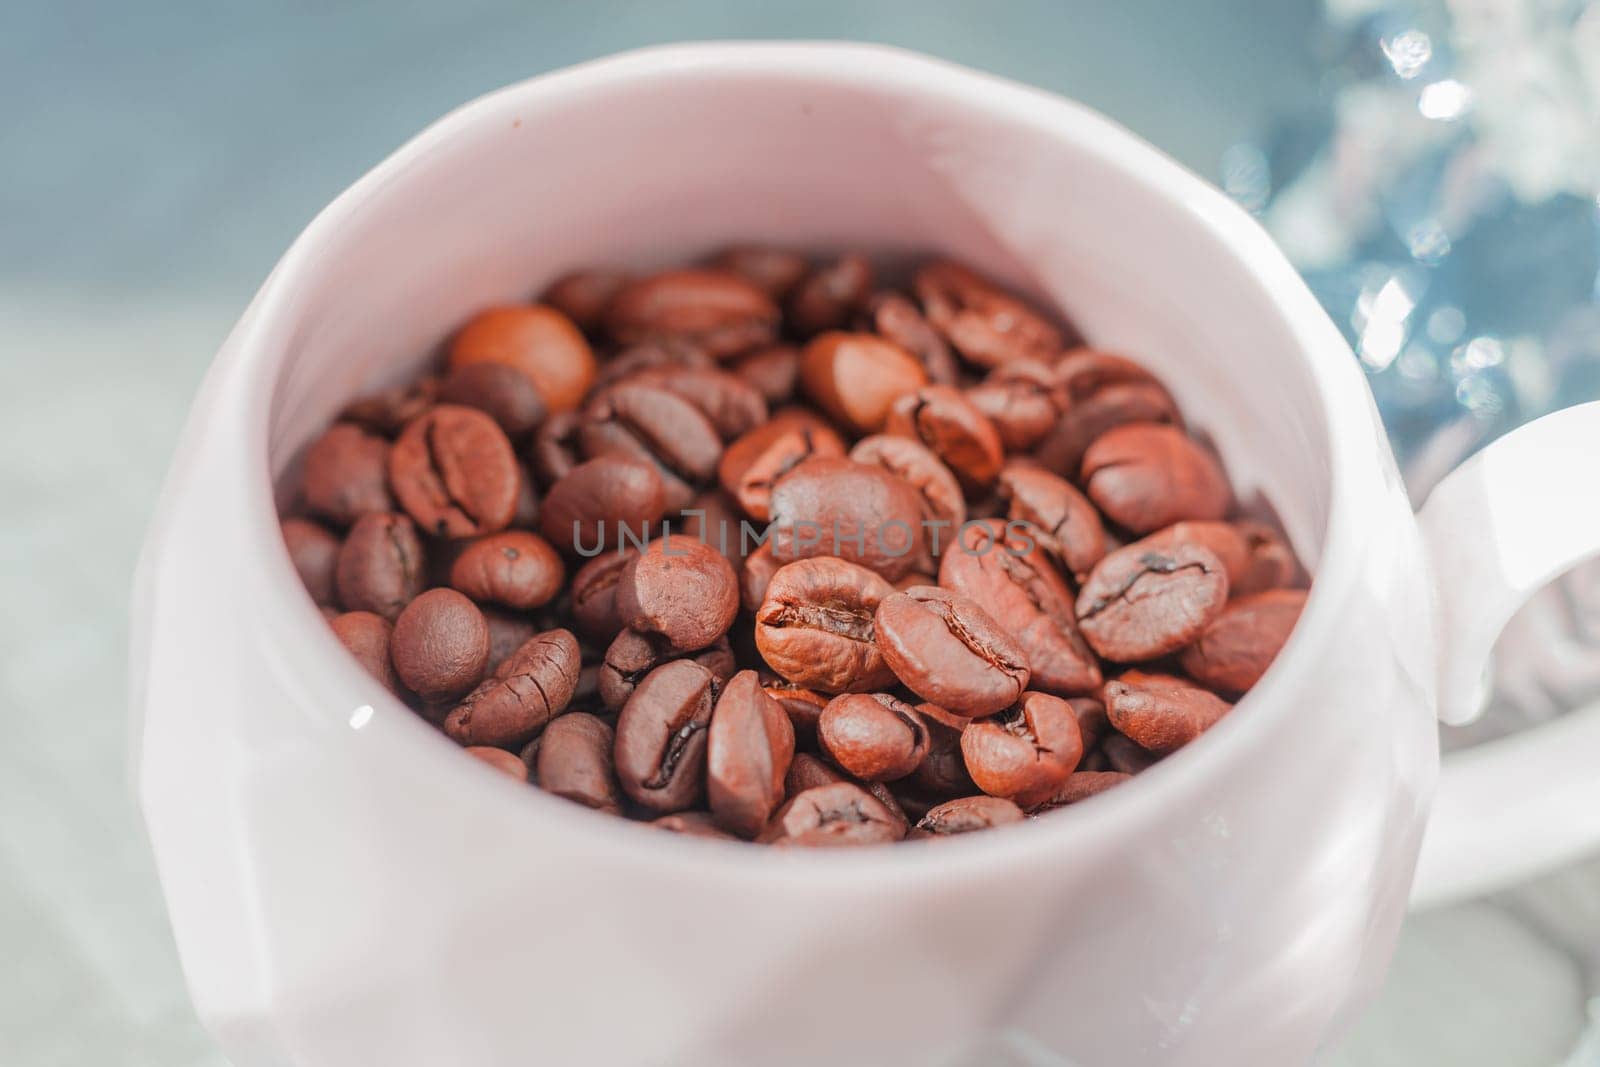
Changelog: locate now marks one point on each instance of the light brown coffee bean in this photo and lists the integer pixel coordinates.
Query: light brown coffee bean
(541, 342)
(832, 506)
(895, 318)
(947, 423)
(829, 815)
(966, 814)
(944, 508)
(681, 589)
(874, 736)
(1024, 754)
(604, 504)
(948, 650)
(756, 461)
(1023, 400)
(515, 569)
(815, 626)
(1061, 519)
(1141, 603)
(1160, 713)
(1236, 648)
(1144, 477)
(440, 645)
(748, 750)
(1081, 785)
(857, 377)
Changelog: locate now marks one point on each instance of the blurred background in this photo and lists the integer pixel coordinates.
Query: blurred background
(157, 163)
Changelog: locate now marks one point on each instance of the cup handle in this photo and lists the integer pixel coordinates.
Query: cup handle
(1497, 529)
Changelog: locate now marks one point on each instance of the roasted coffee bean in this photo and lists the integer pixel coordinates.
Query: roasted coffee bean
(381, 566)
(775, 270)
(943, 772)
(1223, 539)
(661, 737)
(498, 390)
(965, 814)
(314, 552)
(555, 447)
(807, 772)
(1141, 603)
(830, 295)
(681, 589)
(1146, 477)
(440, 645)
(722, 312)
(803, 706)
(755, 574)
(1160, 713)
(773, 371)
(583, 296)
(526, 514)
(1236, 648)
(1099, 392)
(1023, 401)
(944, 509)
(653, 424)
(367, 637)
(896, 318)
(1060, 518)
(532, 687)
(1093, 723)
(713, 518)
(1271, 561)
(953, 429)
(857, 377)
(732, 405)
(574, 761)
(514, 569)
(691, 824)
(837, 814)
(604, 504)
(594, 594)
(985, 324)
(507, 633)
(947, 649)
(815, 626)
(346, 475)
(755, 462)
(501, 760)
(833, 506)
(1081, 785)
(1014, 581)
(454, 472)
(1123, 756)
(748, 751)
(1084, 372)
(541, 342)
(387, 411)
(874, 736)
(1026, 753)
(633, 655)
(654, 357)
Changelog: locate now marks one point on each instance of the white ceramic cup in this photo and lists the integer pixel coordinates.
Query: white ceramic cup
(347, 888)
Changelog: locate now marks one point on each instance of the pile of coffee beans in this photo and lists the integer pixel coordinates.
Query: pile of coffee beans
(774, 549)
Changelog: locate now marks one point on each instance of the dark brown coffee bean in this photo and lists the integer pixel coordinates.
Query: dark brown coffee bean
(1236, 648)
(583, 295)
(857, 377)
(815, 626)
(776, 270)
(604, 504)
(528, 690)
(366, 636)
(951, 428)
(1159, 713)
(947, 649)
(381, 565)
(1060, 518)
(691, 824)
(661, 737)
(1014, 581)
(502, 392)
(505, 762)
(667, 354)
(944, 509)
(722, 312)
(748, 751)
(803, 706)
(874, 736)
(440, 646)
(507, 633)
(1024, 754)
(943, 772)
(831, 506)
(1272, 562)
(1081, 785)
(1142, 603)
(985, 324)
(732, 405)
(1023, 401)
(1144, 477)
(755, 462)
(896, 318)
(386, 412)
(633, 655)
(653, 424)
(681, 589)
(1125, 757)
(773, 371)
(1093, 723)
(555, 447)
(594, 594)
(526, 515)
(808, 772)
(454, 472)
(314, 552)
(837, 814)
(574, 761)
(830, 295)
(755, 574)
(541, 342)
(346, 475)
(514, 569)
(965, 814)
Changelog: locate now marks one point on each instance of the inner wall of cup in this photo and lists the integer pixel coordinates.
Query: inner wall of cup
(634, 173)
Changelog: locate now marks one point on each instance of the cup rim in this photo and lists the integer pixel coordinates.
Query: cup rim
(259, 345)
